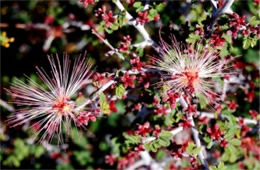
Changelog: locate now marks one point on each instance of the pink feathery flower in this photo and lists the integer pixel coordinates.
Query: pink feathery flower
(51, 106)
(190, 70)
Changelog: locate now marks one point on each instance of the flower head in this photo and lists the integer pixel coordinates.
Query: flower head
(191, 70)
(52, 106)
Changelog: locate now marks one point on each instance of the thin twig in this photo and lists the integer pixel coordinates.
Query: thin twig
(96, 94)
(131, 21)
(224, 91)
(226, 8)
(105, 41)
(195, 134)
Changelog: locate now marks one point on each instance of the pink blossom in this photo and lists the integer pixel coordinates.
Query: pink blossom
(50, 107)
(193, 73)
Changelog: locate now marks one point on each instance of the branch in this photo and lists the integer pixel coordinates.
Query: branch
(105, 41)
(195, 134)
(214, 6)
(226, 8)
(223, 96)
(131, 21)
(96, 94)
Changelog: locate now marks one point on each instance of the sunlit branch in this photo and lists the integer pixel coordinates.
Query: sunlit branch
(195, 134)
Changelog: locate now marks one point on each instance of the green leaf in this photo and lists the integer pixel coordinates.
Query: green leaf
(156, 144)
(207, 139)
(164, 142)
(210, 144)
(102, 97)
(147, 146)
(249, 42)
(105, 108)
(221, 166)
(11, 161)
(83, 157)
(230, 134)
(246, 43)
(192, 149)
(254, 21)
(166, 134)
(116, 146)
(168, 121)
(140, 9)
(153, 148)
(196, 151)
(192, 38)
(140, 51)
(39, 150)
(120, 90)
(103, 146)
(235, 142)
(160, 155)
(160, 7)
(227, 37)
(114, 26)
(132, 139)
(137, 4)
(223, 51)
(254, 41)
(153, 12)
(64, 166)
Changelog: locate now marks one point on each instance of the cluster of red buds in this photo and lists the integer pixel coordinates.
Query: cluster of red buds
(124, 45)
(142, 17)
(108, 17)
(128, 80)
(216, 133)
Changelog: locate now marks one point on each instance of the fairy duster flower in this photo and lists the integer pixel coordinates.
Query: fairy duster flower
(50, 107)
(192, 70)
